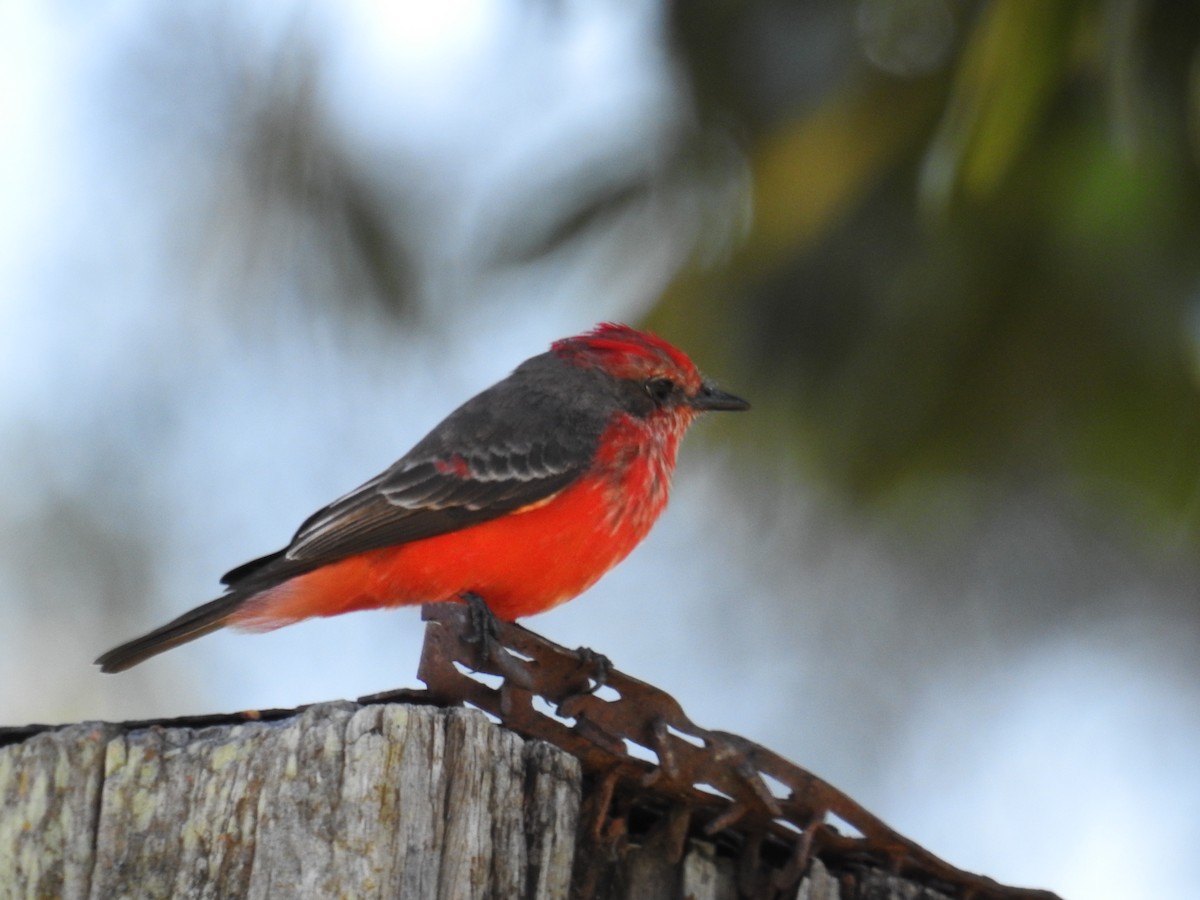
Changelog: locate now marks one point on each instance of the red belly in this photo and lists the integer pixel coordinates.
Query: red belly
(522, 563)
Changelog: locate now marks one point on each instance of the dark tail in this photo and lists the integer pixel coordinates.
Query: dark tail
(191, 625)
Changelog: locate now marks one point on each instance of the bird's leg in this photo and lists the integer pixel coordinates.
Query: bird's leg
(485, 635)
(599, 667)
(596, 667)
(485, 629)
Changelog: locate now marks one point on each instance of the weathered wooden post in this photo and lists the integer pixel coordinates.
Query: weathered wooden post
(339, 800)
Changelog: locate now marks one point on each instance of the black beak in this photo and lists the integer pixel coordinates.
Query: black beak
(709, 398)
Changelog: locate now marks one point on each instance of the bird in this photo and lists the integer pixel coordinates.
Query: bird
(523, 497)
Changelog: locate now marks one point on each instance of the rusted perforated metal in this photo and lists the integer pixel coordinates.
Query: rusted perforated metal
(638, 748)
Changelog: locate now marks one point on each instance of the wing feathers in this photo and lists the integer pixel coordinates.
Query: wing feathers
(417, 499)
(517, 443)
(421, 499)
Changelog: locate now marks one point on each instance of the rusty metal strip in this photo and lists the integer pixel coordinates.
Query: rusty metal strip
(709, 779)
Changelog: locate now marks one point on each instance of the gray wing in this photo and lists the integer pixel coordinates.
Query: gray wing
(519, 442)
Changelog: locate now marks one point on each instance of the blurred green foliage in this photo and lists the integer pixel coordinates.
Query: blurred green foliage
(983, 273)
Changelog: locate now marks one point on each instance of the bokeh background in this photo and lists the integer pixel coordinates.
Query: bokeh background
(250, 253)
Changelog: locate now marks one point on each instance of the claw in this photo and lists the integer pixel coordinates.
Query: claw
(485, 635)
(596, 668)
(600, 667)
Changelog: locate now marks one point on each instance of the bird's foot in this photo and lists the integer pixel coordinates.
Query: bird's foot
(484, 626)
(597, 666)
(485, 635)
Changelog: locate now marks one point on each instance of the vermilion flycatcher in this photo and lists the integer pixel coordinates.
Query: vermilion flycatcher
(523, 496)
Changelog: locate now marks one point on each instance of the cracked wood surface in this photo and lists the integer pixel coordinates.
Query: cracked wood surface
(340, 801)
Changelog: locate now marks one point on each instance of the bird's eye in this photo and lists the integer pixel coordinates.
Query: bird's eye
(660, 389)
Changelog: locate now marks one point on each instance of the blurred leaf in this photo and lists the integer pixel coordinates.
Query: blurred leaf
(809, 172)
(1012, 66)
(294, 199)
